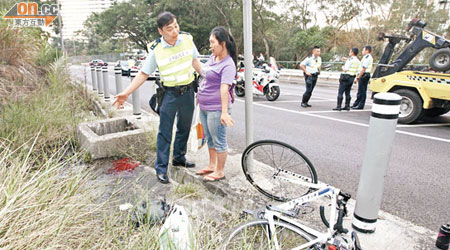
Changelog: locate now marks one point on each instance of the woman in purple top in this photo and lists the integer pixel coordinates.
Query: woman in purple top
(214, 97)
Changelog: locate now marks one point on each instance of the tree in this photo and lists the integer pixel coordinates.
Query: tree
(393, 17)
(130, 19)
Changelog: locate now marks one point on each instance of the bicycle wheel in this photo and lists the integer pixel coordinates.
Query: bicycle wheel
(256, 235)
(275, 169)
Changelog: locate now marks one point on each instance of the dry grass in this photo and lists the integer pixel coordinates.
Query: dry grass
(56, 206)
(40, 208)
(19, 50)
(56, 109)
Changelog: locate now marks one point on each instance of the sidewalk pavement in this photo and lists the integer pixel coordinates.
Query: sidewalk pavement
(391, 232)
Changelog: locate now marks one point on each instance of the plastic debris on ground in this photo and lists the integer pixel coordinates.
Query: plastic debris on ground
(151, 212)
(125, 207)
(176, 233)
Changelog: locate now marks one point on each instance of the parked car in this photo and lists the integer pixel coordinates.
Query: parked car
(97, 62)
(135, 69)
(124, 67)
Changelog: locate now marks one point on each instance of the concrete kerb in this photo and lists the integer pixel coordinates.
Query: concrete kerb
(392, 232)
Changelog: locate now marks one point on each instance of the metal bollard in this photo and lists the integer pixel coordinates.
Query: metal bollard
(136, 104)
(106, 83)
(383, 122)
(118, 78)
(443, 239)
(94, 78)
(99, 81)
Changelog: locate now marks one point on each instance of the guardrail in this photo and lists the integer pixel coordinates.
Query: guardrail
(328, 66)
(295, 75)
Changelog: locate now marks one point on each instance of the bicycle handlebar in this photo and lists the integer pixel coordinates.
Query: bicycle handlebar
(338, 226)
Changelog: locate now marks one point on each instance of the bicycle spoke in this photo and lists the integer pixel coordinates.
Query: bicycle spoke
(267, 160)
(281, 157)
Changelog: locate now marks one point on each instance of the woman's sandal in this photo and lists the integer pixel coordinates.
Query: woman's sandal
(213, 178)
(203, 171)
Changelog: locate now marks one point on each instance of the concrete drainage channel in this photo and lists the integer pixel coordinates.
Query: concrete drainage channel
(110, 137)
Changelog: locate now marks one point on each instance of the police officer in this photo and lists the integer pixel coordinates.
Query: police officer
(346, 80)
(363, 78)
(311, 70)
(131, 63)
(175, 55)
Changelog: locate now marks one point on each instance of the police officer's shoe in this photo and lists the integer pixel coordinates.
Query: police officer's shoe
(163, 178)
(358, 108)
(304, 105)
(307, 105)
(185, 163)
(346, 107)
(338, 108)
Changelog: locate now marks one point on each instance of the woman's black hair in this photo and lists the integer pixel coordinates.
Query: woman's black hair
(222, 35)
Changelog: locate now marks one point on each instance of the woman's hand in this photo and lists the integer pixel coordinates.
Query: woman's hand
(226, 119)
(121, 98)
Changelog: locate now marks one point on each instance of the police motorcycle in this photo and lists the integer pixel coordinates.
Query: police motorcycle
(265, 82)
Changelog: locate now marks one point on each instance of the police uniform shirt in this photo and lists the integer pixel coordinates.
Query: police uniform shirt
(150, 65)
(366, 63)
(348, 65)
(308, 62)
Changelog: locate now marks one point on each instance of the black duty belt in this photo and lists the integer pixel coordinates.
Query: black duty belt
(179, 89)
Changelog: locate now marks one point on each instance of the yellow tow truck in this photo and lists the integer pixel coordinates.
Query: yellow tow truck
(424, 93)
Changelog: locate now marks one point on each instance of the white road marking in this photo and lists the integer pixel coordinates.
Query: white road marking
(349, 122)
(423, 136)
(298, 101)
(335, 111)
(318, 97)
(424, 125)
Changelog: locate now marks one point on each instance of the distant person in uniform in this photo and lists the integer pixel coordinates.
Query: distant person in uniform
(363, 78)
(131, 63)
(175, 56)
(346, 80)
(311, 70)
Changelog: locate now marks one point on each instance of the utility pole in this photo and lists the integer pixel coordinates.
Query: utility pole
(74, 47)
(60, 26)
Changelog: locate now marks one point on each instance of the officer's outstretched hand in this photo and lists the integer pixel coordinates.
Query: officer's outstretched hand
(226, 120)
(121, 98)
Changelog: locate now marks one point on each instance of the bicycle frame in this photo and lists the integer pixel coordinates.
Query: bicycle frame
(320, 237)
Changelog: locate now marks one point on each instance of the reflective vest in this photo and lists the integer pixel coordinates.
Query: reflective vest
(369, 63)
(354, 66)
(314, 64)
(175, 63)
(131, 63)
